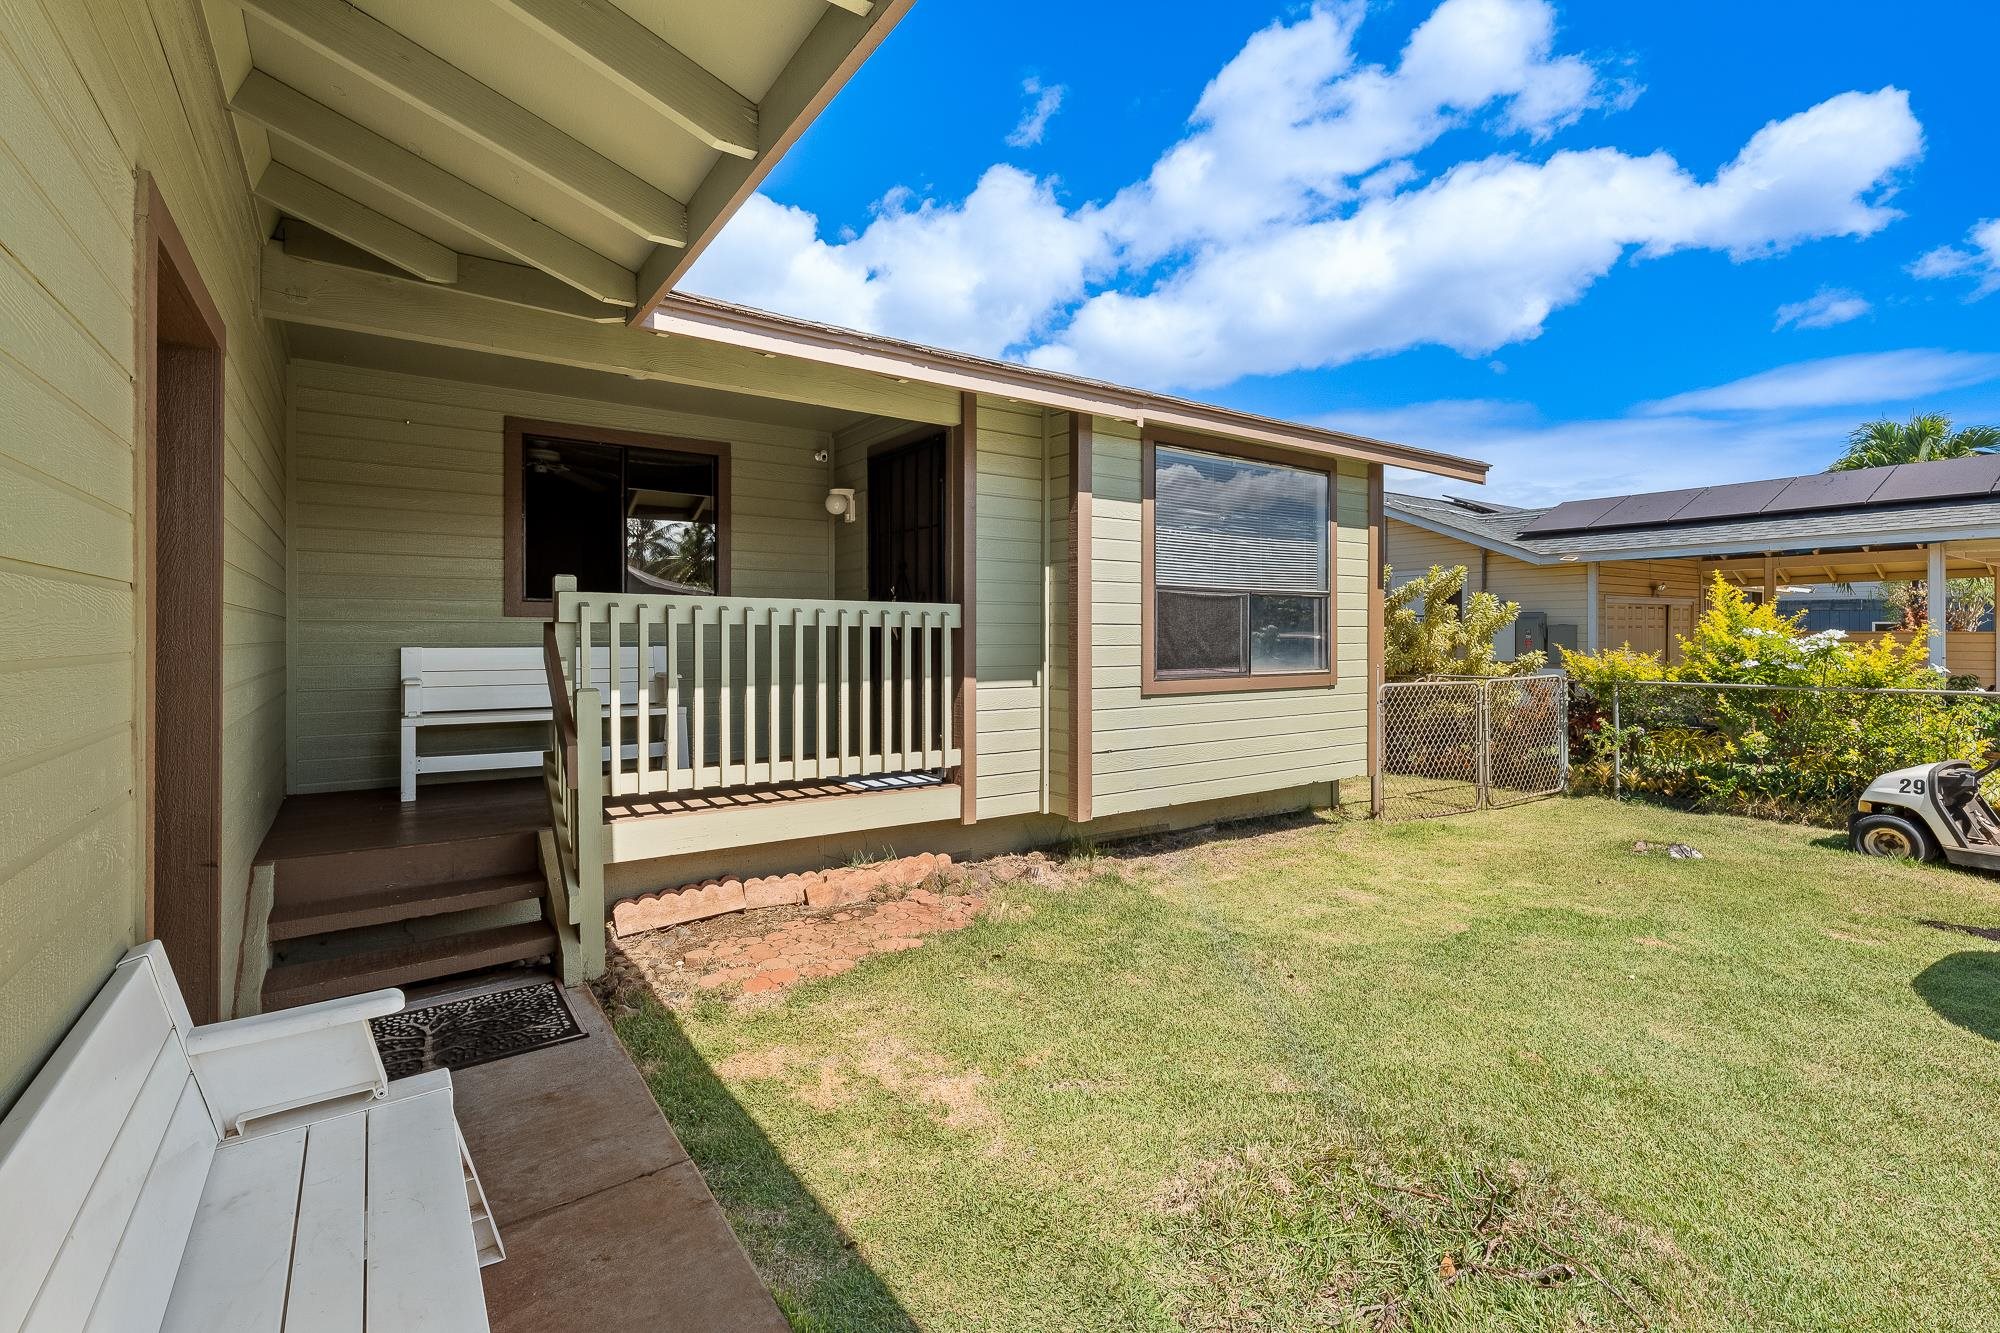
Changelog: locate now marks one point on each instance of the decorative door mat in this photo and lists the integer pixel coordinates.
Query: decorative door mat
(475, 1029)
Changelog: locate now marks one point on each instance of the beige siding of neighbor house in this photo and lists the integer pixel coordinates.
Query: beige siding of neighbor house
(1154, 753)
(1560, 591)
(90, 92)
(396, 540)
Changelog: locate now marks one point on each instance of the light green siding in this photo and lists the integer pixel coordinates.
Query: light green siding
(396, 540)
(1011, 586)
(89, 91)
(1172, 749)
(1055, 435)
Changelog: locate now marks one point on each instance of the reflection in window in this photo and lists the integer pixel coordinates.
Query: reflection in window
(627, 519)
(1240, 567)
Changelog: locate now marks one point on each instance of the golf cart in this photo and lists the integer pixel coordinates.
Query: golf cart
(1919, 814)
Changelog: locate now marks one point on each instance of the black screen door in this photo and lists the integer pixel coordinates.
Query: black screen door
(908, 542)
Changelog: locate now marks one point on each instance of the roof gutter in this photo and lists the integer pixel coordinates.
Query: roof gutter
(776, 335)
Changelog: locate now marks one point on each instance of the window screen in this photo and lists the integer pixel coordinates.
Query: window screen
(620, 519)
(1240, 567)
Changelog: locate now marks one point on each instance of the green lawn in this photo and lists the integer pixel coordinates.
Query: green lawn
(1275, 1080)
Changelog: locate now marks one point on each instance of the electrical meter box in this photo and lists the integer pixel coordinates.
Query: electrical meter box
(1562, 638)
(1531, 633)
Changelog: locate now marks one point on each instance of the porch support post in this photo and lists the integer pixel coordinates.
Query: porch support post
(1935, 595)
(1593, 610)
(964, 495)
(1770, 580)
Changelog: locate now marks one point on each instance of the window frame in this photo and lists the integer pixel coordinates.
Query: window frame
(514, 560)
(1151, 683)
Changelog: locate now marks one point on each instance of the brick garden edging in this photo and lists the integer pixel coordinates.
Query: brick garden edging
(838, 887)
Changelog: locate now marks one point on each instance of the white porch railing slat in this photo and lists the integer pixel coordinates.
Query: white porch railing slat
(718, 692)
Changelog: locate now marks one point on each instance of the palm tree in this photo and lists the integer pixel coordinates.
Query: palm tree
(1925, 438)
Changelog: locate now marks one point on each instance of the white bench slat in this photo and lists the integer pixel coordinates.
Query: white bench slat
(234, 1272)
(55, 1140)
(141, 1276)
(421, 1275)
(329, 1248)
(78, 1273)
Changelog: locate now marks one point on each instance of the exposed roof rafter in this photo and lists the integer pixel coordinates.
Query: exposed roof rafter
(488, 279)
(389, 60)
(306, 199)
(324, 132)
(631, 55)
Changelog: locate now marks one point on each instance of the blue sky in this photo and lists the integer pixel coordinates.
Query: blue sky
(1604, 246)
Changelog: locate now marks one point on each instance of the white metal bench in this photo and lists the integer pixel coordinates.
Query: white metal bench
(473, 687)
(261, 1174)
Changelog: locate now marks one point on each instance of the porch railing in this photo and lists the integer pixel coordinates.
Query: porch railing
(719, 692)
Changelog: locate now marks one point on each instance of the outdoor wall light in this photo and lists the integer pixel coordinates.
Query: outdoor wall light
(840, 503)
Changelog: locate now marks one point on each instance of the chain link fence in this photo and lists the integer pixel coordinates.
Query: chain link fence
(1784, 751)
(1448, 747)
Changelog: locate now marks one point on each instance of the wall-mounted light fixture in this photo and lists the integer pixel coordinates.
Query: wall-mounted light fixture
(840, 503)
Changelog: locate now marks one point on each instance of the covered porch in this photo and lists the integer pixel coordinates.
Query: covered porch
(1958, 641)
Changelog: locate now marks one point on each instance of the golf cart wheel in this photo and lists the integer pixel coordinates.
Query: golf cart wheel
(1897, 837)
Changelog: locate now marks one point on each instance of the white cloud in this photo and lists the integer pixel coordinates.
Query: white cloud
(1044, 101)
(1536, 462)
(981, 276)
(1981, 259)
(1823, 309)
(1838, 381)
(1291, 228)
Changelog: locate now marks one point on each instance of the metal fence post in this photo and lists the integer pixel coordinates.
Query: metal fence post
(1483, 773)
(1617, 748)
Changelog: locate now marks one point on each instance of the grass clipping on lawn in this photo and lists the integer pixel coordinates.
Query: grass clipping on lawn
(1465, 1244)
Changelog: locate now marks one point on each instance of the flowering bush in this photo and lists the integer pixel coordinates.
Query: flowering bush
(1804, 746)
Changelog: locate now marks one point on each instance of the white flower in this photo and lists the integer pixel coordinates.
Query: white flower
(1749, 661)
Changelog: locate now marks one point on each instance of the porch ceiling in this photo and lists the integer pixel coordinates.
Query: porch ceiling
(602, 142)
(1895, 563)
(374, 352)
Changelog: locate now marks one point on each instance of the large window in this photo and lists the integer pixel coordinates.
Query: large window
(621, 512)
(1240, 588)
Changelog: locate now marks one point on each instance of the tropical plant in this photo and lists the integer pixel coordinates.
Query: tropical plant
(1803, 748)
(1925, 438)
(1967, 602)
(1433, 630)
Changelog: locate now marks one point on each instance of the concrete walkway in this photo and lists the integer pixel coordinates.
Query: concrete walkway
(608, 1225)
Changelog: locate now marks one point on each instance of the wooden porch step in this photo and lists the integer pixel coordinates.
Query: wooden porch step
(333, 873)
(290, 984)
(295, 918)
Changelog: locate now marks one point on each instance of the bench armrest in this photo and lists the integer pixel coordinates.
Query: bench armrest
(413, 696)
(268, 1063)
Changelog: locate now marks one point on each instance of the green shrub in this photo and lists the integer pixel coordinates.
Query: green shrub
(1800, 752)
(1427, 637)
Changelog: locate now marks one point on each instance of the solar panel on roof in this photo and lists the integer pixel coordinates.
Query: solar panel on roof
(1945, 479)
(1572, 515)
(1734, 500)
(1828, 490)
(1653, 507)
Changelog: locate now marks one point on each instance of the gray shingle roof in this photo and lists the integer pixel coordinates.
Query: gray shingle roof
(1978, 517)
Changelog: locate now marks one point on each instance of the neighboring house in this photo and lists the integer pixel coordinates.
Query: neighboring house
(1632, 569)
(399, 352)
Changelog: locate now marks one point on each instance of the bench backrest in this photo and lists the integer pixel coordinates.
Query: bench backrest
(102, 1163)
(478, 680)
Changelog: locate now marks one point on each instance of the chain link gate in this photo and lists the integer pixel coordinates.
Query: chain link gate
(1448, 747)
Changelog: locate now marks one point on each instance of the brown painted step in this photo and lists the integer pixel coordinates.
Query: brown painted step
(405, 964)
(322, 875)
(293, 919)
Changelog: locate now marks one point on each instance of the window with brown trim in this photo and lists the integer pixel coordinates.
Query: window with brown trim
(1237, 565)
(621, 512)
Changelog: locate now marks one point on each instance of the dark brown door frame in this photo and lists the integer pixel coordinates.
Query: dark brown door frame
(180, 358)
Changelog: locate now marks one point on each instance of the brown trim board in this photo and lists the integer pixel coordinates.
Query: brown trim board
(1081, 778)
(513, 543)
(179, 389)
(1150, 684)
(964, 463)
